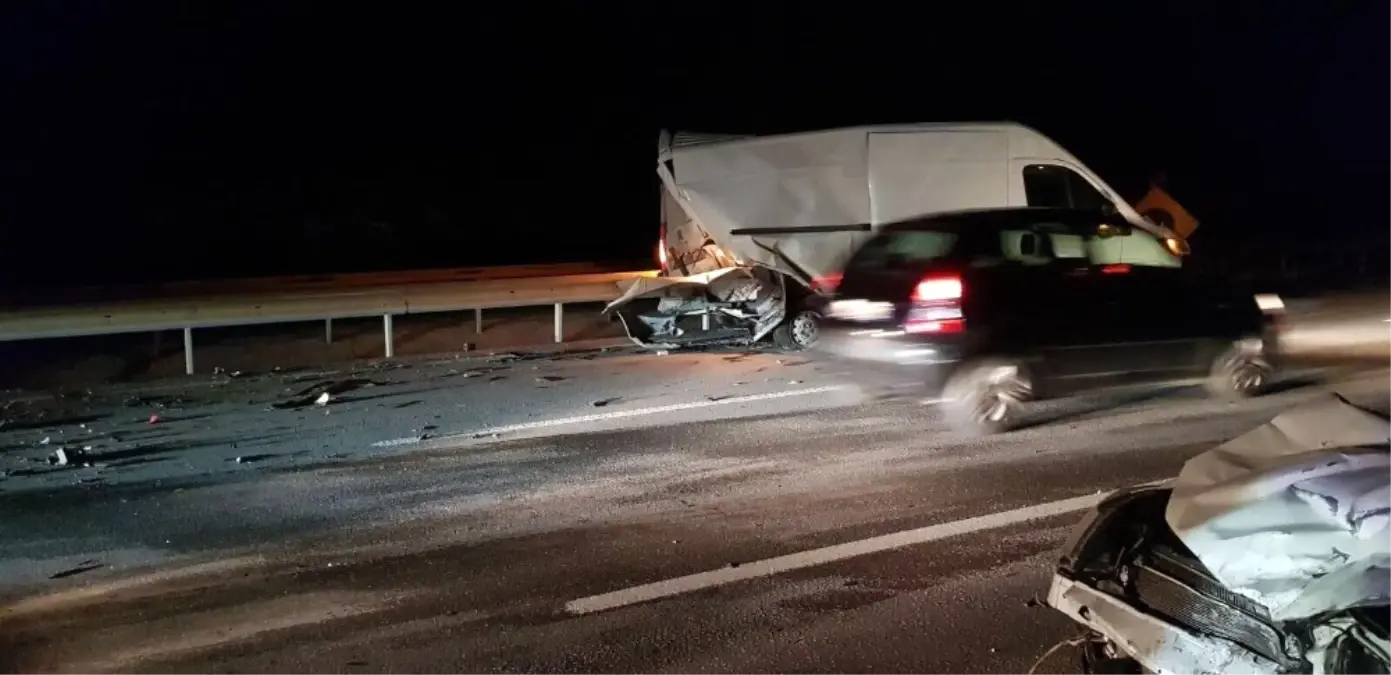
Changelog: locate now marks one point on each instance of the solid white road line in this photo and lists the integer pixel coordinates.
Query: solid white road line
(637, 412)
(821, 556)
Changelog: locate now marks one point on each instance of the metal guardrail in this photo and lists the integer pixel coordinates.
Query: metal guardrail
(299, 283)
(325, 305)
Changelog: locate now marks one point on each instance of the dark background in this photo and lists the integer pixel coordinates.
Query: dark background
(149, 141)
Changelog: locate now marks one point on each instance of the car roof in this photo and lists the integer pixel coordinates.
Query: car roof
(1001, 217)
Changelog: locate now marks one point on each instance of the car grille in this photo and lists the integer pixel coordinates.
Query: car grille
(1170, 598)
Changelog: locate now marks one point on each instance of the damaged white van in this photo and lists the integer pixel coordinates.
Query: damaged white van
(755, 229)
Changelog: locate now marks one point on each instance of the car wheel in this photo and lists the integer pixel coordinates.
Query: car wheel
(798, 332)
(1239, 373)
(987, 398)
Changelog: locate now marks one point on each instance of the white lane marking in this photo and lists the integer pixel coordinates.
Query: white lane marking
(637, 412)
(821, 556)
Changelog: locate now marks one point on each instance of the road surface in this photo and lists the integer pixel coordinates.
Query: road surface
(526, 513)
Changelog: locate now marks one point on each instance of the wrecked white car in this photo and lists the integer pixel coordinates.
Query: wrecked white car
(1269, 554)
(755, 229)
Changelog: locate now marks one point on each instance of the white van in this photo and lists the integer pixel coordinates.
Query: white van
(754, 227)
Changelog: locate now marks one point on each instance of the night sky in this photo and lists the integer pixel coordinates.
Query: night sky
(145, 141)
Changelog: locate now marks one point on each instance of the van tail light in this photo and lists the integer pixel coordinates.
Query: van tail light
(936, 306)
(662, 246)
(1120, 268)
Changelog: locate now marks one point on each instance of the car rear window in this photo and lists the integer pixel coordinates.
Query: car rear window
(907, 247)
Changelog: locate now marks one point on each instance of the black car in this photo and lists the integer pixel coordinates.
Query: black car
(990, 309)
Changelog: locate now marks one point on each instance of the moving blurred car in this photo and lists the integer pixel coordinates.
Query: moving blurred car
(989, 309)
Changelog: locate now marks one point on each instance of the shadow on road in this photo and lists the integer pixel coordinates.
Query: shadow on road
(1092, 404)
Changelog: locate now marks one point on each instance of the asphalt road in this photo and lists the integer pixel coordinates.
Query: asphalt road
(446, 516)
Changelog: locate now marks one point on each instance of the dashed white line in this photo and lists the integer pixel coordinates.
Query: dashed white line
(638, 412)
(821, 556)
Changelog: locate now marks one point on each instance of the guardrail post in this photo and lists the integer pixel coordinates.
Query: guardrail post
(478, 321)
(328, 331)
(705, 322)
(386, 336)
(188, 350)
(559, 322)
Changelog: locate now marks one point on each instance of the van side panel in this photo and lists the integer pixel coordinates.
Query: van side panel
(807, 180)
(767, 200)
(916, 173)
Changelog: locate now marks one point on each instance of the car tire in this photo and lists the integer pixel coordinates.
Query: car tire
(798, 332)
(987, 397)
(1239, 373)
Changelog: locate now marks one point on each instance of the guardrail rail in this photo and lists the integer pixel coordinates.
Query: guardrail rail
(321, 304)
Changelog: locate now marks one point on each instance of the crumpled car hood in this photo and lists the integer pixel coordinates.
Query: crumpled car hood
(1294, 514)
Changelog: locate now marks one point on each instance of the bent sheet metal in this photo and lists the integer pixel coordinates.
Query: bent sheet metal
(1294, 514)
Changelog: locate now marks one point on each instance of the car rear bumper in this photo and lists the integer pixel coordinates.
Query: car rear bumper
(888, 356)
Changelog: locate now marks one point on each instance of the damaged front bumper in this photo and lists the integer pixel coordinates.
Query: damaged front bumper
(733, 305)
(1157, 645)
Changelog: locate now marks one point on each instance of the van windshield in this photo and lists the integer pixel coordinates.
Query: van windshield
(904, 247)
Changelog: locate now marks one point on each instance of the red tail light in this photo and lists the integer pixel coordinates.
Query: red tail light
(1121, 268)
(662, 246)
(936, 306)
(827, 283)
(936, 289)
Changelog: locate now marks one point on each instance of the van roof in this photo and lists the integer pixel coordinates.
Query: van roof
(686, 139)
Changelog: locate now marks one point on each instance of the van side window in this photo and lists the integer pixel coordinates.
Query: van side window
(1053, 186)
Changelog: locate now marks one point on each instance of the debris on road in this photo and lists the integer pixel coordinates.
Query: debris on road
(605, 401)
(397, 442)
(65, 456)
(322, 393)
(549, 378)
(154, 419)
(84, 566)
(154, 402)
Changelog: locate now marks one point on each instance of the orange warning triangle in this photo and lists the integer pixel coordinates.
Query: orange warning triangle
(1161, 209)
